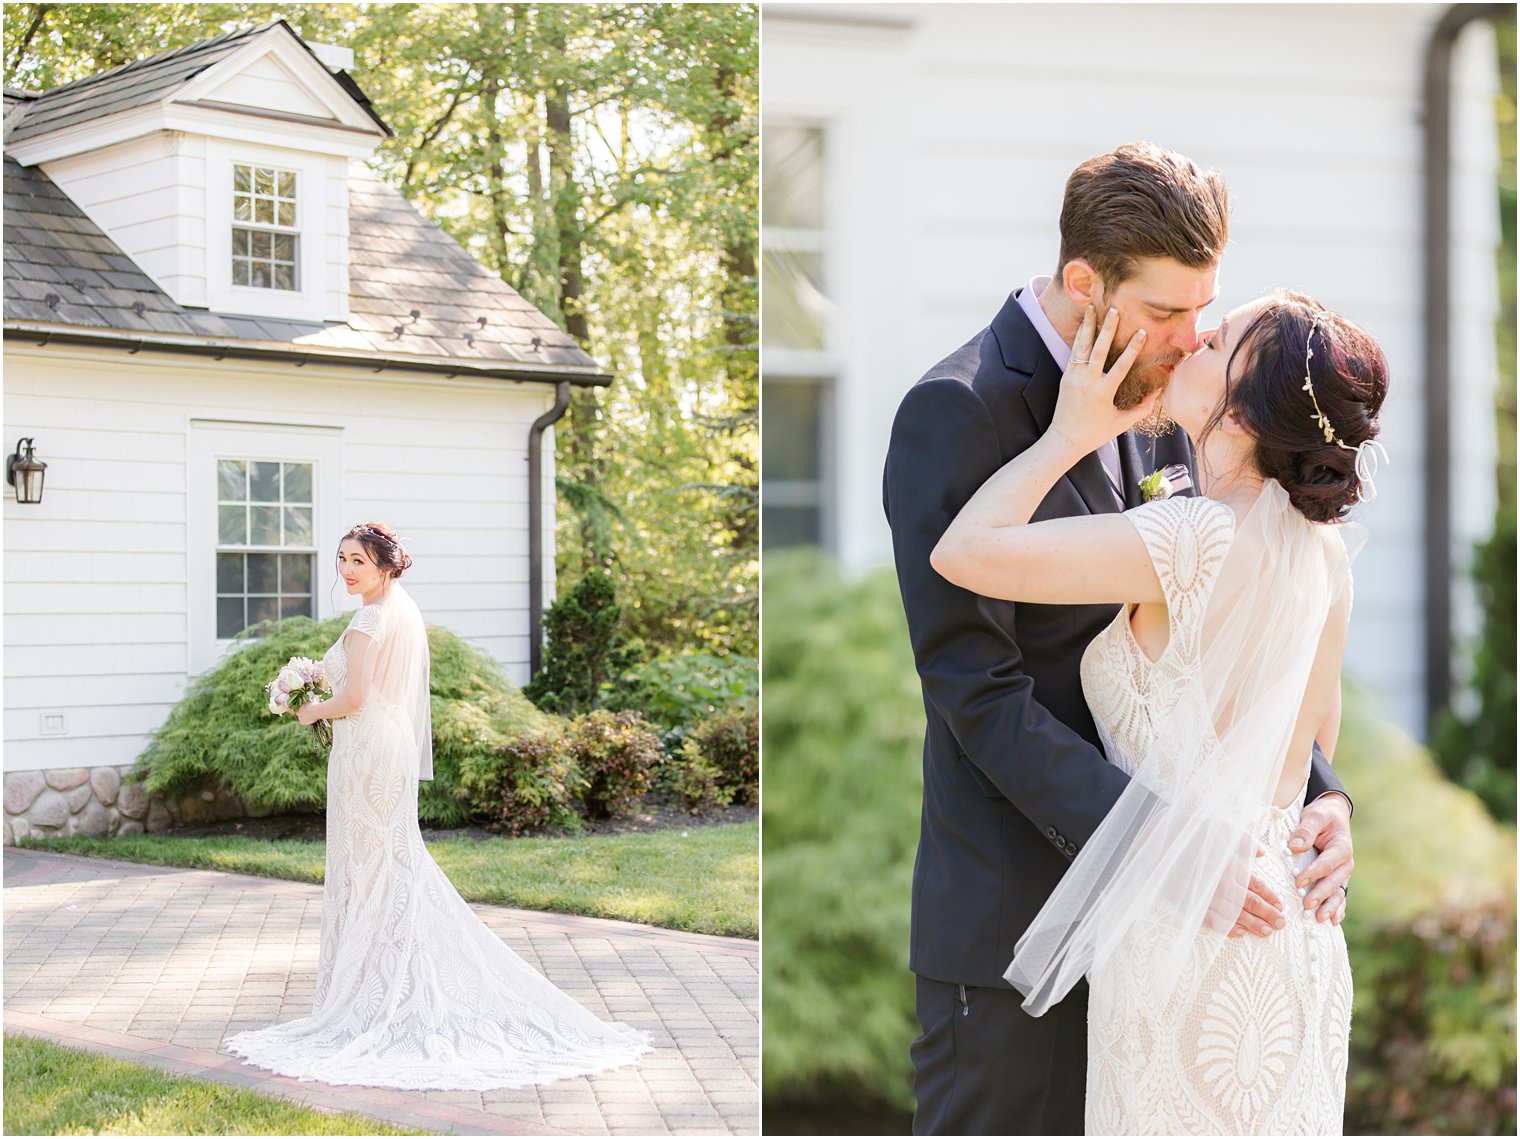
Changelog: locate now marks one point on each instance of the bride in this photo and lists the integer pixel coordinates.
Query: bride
(413, 991)
(1210, 689)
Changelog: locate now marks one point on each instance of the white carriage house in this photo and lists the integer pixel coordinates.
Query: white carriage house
(227, 341)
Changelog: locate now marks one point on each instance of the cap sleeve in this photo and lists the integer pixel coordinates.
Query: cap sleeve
(1188, 539)
(369, 620)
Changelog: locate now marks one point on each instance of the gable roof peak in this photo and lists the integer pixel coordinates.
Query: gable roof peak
(160, 79)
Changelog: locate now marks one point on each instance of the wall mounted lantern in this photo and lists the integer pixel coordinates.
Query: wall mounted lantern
(24, 471)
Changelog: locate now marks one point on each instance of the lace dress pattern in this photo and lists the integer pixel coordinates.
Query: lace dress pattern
(1255, 1041)
(413, 990)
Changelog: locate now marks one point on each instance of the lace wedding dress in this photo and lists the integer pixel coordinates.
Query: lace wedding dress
(1191, 1032)
(413, 990)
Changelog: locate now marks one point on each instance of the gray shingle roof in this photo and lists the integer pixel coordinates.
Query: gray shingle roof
(131, 85)
(61, 269)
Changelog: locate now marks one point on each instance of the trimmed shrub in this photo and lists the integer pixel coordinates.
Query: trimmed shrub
(698, 782)
(524, 784)
(476, 712)
(678, 690)
(613, 756)
(730, 743)
(222, 727)
(584, 647)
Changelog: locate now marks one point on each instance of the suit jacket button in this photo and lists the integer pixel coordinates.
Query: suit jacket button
(1071, 848)
(1050, 832)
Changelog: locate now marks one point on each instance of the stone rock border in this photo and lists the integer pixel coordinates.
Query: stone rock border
(102, 801)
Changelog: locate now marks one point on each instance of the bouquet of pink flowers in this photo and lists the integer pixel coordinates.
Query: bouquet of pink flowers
(300, 681)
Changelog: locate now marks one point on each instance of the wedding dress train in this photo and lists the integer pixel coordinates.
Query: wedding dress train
(413, 990)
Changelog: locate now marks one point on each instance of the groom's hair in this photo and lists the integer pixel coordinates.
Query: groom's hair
(1143, 200)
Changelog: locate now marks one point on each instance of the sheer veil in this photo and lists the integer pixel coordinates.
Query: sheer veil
(1174, 856)
(401, 670)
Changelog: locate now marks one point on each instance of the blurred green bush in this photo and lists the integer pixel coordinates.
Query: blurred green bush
(1431, 932)
(842, 721)
(1431, 921)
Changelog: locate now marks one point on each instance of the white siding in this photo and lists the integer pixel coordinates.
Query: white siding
(952, 128)
(99, 577)
(132, 191)
(266, 82)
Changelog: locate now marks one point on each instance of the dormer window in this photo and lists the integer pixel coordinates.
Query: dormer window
(264, 233)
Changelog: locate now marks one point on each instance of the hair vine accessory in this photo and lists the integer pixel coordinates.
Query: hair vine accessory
(1368, 452)
(1319, 416)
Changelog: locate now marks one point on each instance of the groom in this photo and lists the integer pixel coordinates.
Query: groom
(1014, 778)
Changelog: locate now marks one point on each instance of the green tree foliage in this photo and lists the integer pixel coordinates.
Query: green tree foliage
(586, 647)
(1430, 924)
(603, 159)
(222, 727)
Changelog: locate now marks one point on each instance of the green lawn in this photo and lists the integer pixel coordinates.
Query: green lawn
(51, 1090)
(704, 879)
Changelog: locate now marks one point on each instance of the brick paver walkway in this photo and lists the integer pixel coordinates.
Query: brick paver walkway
(159, 965)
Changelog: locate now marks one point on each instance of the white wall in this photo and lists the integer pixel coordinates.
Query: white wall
(99, 576)
(952, 129)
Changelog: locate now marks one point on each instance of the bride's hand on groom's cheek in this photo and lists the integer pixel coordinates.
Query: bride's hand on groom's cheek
(1326, 826)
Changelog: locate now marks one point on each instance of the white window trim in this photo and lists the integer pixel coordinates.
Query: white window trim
(210, 440)
(822, 492)
(307, 302)
(273, 229)
(823, 367)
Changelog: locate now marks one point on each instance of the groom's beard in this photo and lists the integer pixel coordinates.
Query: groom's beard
(1148, 375)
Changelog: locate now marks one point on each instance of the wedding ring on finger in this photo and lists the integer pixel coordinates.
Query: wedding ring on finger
(1087, 360)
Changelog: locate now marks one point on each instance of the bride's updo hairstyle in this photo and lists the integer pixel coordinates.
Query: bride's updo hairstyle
(382, 546)
(1264, 391)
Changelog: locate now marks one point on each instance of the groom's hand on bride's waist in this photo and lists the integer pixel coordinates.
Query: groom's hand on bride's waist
(1326, 826)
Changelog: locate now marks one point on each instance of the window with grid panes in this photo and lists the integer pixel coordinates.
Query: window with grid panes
(265, 548)
(264, 234)
(797, 380)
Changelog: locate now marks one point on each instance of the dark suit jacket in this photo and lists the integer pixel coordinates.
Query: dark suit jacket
(1015, 780)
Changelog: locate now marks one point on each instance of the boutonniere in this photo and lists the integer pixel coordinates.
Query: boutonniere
(1164, 483)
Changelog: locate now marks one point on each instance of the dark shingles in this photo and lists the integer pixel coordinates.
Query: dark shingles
(131, 85)
(399, 261)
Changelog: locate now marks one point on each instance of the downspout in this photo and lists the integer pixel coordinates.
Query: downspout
(1438, 52)
(536, 525)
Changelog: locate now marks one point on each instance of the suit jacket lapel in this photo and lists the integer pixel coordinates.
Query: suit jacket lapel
(1131, 468)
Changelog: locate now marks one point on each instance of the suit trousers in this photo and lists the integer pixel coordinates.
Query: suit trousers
(984, 1066)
